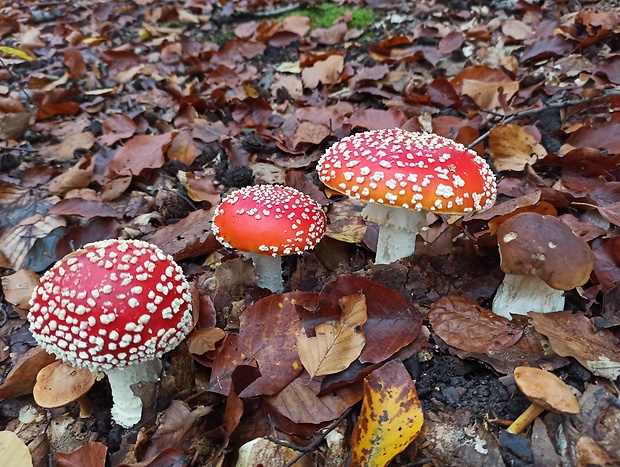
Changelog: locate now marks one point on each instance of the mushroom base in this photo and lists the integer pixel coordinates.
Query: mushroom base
(518, 295)
(398, 228)
(127, 408)
(268, 270)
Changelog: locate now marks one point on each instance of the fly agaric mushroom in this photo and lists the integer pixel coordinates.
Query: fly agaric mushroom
(546, 392)
(542, 258)
(114, 306)
(401, 175)
(268, 221)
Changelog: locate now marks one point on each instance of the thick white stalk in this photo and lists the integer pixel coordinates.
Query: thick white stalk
(518, 295)
(398, 229)
(127, 407)
(268, 270)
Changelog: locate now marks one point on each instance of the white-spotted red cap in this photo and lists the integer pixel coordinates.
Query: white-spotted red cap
(270, 220)
(420, 171)
(110, 304)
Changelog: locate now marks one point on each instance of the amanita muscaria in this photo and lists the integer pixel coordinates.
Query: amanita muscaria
(265, 222)
(402, 175)
(114, 306)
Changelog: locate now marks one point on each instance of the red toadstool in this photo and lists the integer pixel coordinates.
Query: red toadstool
(114, 306)
(401, 175)
(268, 221)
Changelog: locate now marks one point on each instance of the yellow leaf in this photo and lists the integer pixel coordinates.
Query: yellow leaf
(335, 344)
(15, 53)
(13, 451)
(390, 419)
(512, 147)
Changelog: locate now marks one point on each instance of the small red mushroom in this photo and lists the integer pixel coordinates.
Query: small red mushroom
(114, 306)
(403, 174)
(268, 221)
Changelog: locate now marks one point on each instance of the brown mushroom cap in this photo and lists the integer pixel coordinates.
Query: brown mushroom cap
(531, 244)
(60, 383)
(546, 390)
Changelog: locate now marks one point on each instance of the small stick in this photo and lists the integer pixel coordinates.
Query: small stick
(303, 450)
(543, 107)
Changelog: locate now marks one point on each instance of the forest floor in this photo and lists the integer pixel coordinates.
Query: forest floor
(124, 119)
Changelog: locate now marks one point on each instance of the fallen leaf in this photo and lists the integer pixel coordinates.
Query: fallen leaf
(13, 451)
(77, 176)
(115, 128)
(465, 325)
(71, 143)
(22, 377)
(299, 401)
(573, 335)
(335, 344)
(183, 149)
(326, 71)
(268, 332)
(392, 323)
(18, 287)
(512, 147)
(201, 341)
(60, 383)
(91, 454)
(390, 419)
(141, 152)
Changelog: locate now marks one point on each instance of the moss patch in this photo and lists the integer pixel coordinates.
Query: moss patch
(324, 15)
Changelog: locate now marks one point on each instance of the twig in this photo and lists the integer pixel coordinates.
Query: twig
(18, 148)
(546, 106)
(303, 450)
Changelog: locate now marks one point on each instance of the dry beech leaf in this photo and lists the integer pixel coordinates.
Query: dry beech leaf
(268, 332)
(299, 401)
(336, 343)
(486, 94)
(66, 149)
(22, 377)
(91, 454)
(325, 71)
(573, 335)
(13, 451)
(115, 128)
(465, 325)
(78, 176)
(18, 287)
(201, 341)
(141, 152)
(513, 147)
(183, 149)
(390, 419)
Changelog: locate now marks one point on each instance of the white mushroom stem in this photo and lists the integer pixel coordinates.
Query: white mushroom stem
(127, 407)
(268, 270)
(398, 228)
(518, 295)
(525, 419)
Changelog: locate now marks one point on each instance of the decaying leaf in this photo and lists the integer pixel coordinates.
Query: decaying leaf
(464, 324)
(267, 333)
(60, 383)
(573, 335)
(335, 343)
(18, 287)
(201, 341)
(22, 377)
(13, 451)
(91, 454)
(390, 419)
(512, 147)
(141, 152)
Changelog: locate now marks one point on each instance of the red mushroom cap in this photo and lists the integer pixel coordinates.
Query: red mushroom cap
(420, 171)
(110, 304)
(270, 220)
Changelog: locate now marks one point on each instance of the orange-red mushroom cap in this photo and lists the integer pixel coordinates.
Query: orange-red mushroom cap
(110, 304)
(420, 171)
(270, 220)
